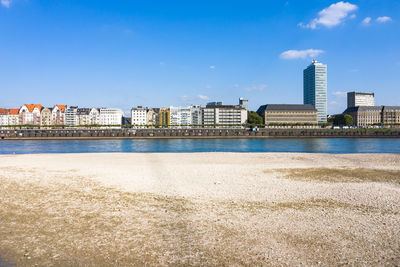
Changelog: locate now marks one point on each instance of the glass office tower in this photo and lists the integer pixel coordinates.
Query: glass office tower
(315, 88)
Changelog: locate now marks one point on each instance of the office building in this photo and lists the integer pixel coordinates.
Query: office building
(190, 115)
(355, 99)
(315, 88)
(288, 114)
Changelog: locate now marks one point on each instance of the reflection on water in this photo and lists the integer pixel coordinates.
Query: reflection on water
(307, 145)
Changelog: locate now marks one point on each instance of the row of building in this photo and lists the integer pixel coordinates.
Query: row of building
(214, 113)
(361, 107)
(36, 114)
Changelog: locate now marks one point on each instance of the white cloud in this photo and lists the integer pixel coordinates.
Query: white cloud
(332, 16)
(383, 19)
(366, 21)
(296, 54)
(5, 3)
(162, 63)
(259, 87)
(194, 99)
(212, 67)
(339, 94)
(203, 97)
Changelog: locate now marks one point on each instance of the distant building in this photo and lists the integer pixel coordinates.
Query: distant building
(391, 114)
(224, 115)
(355, 99)
(30, 114)
(152, 116)
(288, 113)
(88, 116)
(138, 116)
(315, 88)
(244, 103)
(71, 116)
(45, 116)
(365, 115)
(190, 115)
(13, 116)
(111, 116)
(58, 115)
(164, 118)
(4, 116)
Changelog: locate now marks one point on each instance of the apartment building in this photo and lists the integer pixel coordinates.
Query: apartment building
(139, 116)
(224, 115)
(13, 116)
(45, 116)
(3, 117)
(111, 116)
(164, 117)
(391, 114)
(58, 115)
(30, 114)
(71, 116)
(288, 113)
(152, 116)
(190, 115)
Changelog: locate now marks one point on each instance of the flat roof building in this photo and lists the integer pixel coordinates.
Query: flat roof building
(356, 99)
(288, 114)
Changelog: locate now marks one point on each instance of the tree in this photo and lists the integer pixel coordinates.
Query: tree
(342, 119)
(348, 120)
(253, 118)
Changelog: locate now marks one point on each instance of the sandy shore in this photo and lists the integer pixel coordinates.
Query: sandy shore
(200, 209)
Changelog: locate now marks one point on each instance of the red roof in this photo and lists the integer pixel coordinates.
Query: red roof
(3, 111)
(62, 107)
(13, 111)
(31, 107)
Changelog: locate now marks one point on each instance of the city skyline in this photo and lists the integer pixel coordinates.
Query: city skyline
(127, 54)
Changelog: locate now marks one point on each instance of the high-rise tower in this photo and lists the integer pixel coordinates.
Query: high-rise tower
(315, 86)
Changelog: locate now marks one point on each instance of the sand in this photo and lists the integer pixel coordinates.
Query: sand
(210, 209)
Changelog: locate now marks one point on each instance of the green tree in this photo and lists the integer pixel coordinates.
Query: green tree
(348, 120)
(253, 118)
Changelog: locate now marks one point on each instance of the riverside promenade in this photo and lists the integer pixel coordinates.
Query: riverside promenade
(131, 133)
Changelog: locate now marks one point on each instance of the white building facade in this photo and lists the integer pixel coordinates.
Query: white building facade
(111, 116)
(224, 115)
(139, 116)
(71, 116)
(190, 115)
(357, 99)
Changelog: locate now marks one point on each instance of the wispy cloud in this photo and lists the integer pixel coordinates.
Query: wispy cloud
(193, 99)
(332, 16)
(5, 3)
(212, 67)
(303, 54)
(366, 21)
(162, 63)
(258, 87)
(339, 94)
(383, 19)
(354, 70)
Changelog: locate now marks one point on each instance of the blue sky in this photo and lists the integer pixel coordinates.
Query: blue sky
(162, 53)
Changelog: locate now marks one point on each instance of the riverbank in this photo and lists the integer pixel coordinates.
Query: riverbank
(200, 209)
(192, 133)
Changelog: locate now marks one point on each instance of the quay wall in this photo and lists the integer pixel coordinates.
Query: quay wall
(27, 134)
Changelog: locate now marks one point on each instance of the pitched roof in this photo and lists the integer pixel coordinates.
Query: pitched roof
(282, 107)
(13, 111)
(31, 107)
(363, 108)
(3, 111)
(62, 107)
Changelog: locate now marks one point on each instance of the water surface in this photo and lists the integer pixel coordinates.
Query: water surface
(305, 145)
